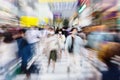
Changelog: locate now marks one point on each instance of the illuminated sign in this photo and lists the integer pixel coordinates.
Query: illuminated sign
(29, 21)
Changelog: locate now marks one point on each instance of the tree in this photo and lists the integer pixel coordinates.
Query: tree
(65, 23)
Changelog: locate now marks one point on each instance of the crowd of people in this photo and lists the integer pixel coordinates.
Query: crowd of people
(34, 41)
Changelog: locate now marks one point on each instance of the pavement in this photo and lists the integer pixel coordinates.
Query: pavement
(86, 71)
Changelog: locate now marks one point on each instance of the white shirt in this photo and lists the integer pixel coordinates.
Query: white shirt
(8, 52)
(52, 42)
(44, 33)
(78, 44)
(32, 36)
(61, 40)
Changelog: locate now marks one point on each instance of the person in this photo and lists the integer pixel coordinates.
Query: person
(96, 38)
(73, 47)
(21, 41)
(52, 46)
(32, 37)
(1, 30)
(45, 32)
(65, 32)
(105, 54)
(8, 52)
(8, 49)
(57, 30)
(61, 41)
(1, 38)
(24, 52)
(116, 37)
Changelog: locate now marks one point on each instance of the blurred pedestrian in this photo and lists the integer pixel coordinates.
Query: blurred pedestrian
(52, 48)
(32, 37)
(73, 47)
(106, 53)
(61, 41)
(8, 49)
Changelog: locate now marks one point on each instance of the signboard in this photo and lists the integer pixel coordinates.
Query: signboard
(29, 21)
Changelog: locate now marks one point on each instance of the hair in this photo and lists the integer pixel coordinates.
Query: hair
(108, 51)
(73, 29)
(50, 28)
(22, 31)
(8, 37)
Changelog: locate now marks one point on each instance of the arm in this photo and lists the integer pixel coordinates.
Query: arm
(63, 38)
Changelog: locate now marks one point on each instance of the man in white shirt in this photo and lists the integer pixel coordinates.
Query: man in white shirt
(32, 35)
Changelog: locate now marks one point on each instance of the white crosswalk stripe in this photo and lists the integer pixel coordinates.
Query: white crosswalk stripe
(60, 73)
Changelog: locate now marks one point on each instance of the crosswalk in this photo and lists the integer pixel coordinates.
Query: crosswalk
(60, 73)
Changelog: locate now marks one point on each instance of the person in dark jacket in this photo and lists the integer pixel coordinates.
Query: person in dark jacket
(106, 53)
(24, 52)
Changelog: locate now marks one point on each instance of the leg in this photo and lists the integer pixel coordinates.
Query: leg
(49, 62)
(28, 76)
(77, 63)
(54, 58)
(70, 62)
(60, 54)
(53, 66)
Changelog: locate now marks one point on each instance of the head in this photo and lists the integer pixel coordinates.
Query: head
(46, 27)
(60, 31)
(8, 37)
(74, 31)
(1, 37)
(51, 31)
(22, 32)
